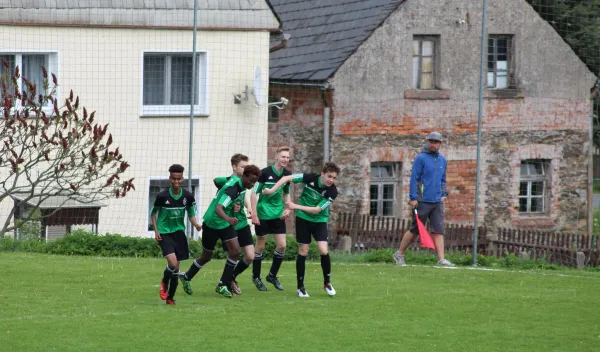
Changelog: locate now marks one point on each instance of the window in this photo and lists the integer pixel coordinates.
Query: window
(273, 110)
(424, 62)
(167, 84)
(383, 189)
(533, 187)
(163, 184)
(499, 55)
(30, 65)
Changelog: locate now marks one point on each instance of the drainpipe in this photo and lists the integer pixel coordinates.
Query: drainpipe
(326, 123)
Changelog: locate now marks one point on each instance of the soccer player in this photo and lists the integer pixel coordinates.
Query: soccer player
(238, 163)
(168, 215)
(269, 214)
(219, 222)
(312, 215)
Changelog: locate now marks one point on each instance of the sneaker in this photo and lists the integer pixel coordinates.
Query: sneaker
(187, 284)
(235, 288)
(329, 289)
(445, 262)
(223, 291)
(275, 282)
(170, 302)
(163, 291)
(399, 258)
(259, 284)
(302, 292)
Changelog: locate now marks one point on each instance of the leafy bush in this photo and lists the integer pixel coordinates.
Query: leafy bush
(81, 242)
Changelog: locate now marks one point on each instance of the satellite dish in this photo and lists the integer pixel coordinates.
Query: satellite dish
(258, 90)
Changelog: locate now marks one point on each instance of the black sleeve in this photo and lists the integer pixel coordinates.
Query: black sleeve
(308, 178)
(159, 202)
(232, 192)
(331, 193)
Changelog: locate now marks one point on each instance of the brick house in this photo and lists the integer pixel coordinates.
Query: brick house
(382, 74)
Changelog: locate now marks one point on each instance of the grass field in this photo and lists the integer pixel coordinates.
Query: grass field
(110, 304)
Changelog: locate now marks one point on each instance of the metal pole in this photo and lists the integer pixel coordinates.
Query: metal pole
(479, 118)
(192, 101)
(326, 122)
(590, 170)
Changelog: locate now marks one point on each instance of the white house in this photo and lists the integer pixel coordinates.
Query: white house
(131, 62)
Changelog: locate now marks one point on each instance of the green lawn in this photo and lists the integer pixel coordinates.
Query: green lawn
(110, 304)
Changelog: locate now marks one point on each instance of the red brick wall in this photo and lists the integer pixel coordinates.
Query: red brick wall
(460, 179)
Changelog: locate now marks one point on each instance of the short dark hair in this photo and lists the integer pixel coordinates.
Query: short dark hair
(236, 158)
(331, 167)
(252, 170)
(176, 168)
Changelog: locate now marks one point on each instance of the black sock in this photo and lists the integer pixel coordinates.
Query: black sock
(300, 269)
(240, 267)
(277, 260)
(256, 264)
(173, 285)
(193, 270)
(228, 272)
(167, 276)
(326, 266)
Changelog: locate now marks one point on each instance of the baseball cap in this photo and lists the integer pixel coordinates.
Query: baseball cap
(434, 136)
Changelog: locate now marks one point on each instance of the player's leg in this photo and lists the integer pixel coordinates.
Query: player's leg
(229, 238)
(245, 241)
(209, 240)
(409, 235)
(436, 219)
(182, 252)
(261, 241)
(277, 227)
(303, 239)
(319, 232)
(167, 246)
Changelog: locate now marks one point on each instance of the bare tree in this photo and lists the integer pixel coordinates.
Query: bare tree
(49, 150)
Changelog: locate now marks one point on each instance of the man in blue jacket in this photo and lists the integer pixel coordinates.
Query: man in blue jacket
(428, 194)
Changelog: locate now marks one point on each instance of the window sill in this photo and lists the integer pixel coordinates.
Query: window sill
(541, 221)
(505, 93)
(172, 115)
(427, 94)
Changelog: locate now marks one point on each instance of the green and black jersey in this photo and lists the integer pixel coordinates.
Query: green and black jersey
(270, 206)
(314, 194)
(171, 210)
(226, 196)
(240, 215)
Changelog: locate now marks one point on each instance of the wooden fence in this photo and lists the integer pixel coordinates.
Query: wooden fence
(596, 163)
(367, 232)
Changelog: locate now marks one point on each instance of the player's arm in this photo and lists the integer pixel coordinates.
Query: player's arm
(415, 178)
(191, 211)
(226, 199)
(323, 204)
(220, 182)
(282, 181)
(247, 204)
(154, 215)
(444, 190)
(258, 187)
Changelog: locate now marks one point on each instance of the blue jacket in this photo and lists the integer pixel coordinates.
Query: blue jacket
(428, 178)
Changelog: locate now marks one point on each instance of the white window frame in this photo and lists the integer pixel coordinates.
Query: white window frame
(150, 203)
(530, 179)
(51, 63)
(202, 109)
(381, 182)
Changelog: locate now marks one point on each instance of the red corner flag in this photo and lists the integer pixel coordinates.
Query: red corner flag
(424, 236)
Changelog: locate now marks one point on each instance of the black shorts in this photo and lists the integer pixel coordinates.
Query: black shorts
(305, 229)
(434, 212)
(270, 227)
(175, 243)
(244, 238)
(210, 236)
